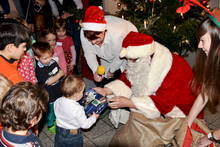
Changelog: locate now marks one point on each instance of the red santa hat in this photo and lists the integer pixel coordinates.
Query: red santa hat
(136, 45)
(94, 19)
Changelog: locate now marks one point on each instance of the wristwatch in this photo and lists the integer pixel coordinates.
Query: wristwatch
(212, 138)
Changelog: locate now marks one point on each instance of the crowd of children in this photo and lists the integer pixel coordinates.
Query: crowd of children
(32, 71)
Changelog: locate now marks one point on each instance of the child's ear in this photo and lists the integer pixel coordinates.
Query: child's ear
(34, 121)
(37, 58)
(9, 47)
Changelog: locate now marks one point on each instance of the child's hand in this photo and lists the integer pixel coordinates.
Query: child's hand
(55, 78)
(95, 114)
(51, 80)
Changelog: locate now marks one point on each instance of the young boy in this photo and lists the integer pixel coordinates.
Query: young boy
(21, 109)
(48, 73)
(70, 115)
(13, 39)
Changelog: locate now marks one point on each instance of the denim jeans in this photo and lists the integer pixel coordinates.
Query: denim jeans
(63, 138)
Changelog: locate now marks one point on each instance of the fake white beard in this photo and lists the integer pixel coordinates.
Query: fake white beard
(137, 74)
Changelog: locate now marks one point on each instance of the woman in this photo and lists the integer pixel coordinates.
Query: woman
(206, 73)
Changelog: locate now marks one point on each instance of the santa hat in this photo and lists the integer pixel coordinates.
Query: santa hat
(136, 45)
(94, 19)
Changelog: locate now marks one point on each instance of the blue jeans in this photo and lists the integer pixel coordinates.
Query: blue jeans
(63, 138)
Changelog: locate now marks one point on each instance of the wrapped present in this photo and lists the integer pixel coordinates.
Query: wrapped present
(93, 102)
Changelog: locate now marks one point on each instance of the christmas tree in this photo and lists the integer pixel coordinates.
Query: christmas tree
(159, 19)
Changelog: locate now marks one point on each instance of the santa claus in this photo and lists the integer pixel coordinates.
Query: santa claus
(156, 88)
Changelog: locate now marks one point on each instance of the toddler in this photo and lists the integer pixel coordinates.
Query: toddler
(70, 115)
(22, 109)
(50, 37)
(48, 74)
(60, 27)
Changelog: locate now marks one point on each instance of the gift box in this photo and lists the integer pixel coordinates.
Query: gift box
(93, 102)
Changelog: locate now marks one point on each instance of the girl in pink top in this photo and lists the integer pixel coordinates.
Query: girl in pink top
(50, 37)
(60, 27)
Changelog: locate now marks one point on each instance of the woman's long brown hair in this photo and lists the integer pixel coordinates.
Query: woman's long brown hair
(207, 68)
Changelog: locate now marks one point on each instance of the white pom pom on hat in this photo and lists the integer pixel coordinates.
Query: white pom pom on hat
(137, 45)
(94, 19)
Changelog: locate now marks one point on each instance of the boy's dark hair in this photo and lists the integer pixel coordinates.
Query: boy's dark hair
(91, 35)
(13, 32)
(40, 48)
(22, 103)
(71, 85)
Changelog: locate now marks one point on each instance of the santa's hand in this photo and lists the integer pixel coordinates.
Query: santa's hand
(120, 102)
(103, 91)
(98, 78)
(100, 91)
(204, 141)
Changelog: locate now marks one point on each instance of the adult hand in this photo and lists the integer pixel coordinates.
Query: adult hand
(204, 142)
(110, 75)
(103, 91)
(98, 78)
(120, 102)
(100, 90)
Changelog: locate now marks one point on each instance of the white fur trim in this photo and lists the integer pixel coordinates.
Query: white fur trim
(94, 26)
(119, 88)
(123, 52)
(146, 106)
(176, 112)
(134, 52)
(160, 66)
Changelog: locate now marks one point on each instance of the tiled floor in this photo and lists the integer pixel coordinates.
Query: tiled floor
(98, 136)
(102, 132)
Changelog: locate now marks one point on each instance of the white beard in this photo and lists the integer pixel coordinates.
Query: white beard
(137, 74)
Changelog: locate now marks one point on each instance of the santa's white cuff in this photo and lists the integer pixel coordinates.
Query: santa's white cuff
(146, 106)
(119, 88)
